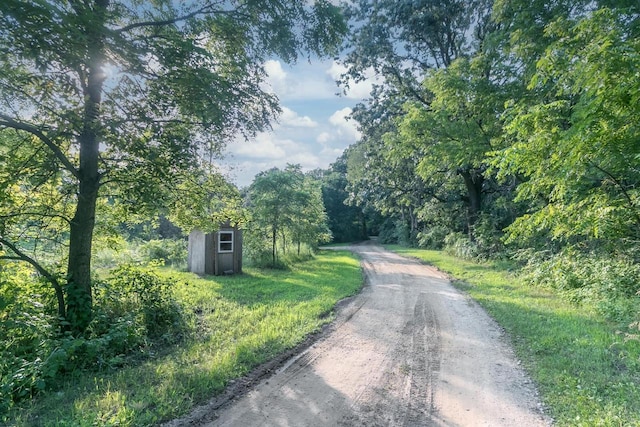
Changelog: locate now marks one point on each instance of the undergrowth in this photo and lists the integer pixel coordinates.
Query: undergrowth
(178, 340)
(135, 312)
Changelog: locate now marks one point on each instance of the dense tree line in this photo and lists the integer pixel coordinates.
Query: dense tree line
(505, 128)
(505, 121)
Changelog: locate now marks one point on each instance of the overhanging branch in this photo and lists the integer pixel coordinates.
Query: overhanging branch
(21, 256)
(36, 214)
(10, 122)
(205, 10)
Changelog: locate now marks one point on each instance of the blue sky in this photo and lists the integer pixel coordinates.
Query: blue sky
(312, 130)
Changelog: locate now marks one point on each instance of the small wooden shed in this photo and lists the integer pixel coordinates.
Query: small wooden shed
(216, 253)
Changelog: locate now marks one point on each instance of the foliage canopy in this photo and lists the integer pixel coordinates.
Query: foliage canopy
(117, 100)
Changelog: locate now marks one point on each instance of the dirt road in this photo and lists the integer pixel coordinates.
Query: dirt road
(410, 350)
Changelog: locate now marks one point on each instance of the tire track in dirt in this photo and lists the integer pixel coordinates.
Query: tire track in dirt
(425, 366)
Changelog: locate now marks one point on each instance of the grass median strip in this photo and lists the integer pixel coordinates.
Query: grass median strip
(586, 373)
(241, 321)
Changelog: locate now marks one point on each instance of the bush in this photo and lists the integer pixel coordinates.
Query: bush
(149, 298)
(113, 251)
(258, 257)
(459, 245)
(134, 311)
(487, 237)
(433, 237)
(171, 251)
(116, 252)
(395, 232)
(603, 282)
(256, 248)
(26, 330)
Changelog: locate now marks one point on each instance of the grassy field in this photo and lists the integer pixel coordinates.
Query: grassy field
(587, 375)
(242, 320)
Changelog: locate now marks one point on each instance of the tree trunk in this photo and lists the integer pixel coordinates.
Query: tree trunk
(363, 226)
(284, 243)
(79, 298)
(79, 295)
(473, 181)
(274, 234)
(413, 229)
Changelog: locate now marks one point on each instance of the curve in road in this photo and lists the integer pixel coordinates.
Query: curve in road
(409, 350)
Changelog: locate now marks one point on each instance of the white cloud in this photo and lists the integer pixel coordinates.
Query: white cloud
(313, 129)
(292, 119)
(331, 154)
(305, 80)
(268, 150)
(339, 133)
(264, 146)
(324, 138)
(345, 128)
(356, 90)
(276, 76)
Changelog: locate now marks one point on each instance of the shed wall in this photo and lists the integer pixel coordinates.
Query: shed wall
(204, 258)
(196, 257)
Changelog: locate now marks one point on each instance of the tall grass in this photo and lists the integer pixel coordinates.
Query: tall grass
(241, 321)
(588, 375)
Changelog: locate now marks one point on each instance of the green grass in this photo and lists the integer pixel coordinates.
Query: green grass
(587, 375)
(242, 320)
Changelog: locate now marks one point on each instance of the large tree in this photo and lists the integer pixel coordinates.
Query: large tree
(382, 180)
(454, 135)
(118, 97)
(402, 40)
(576, 136)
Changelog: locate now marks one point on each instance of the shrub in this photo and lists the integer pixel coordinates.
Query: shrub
(256, 248)
(433, 237)
(26, 329)
(258, 257)
(149, 297)
(459, 245)
(603, 282)
(172, 251)
(395, 231)
(488, 237)
(134, 310)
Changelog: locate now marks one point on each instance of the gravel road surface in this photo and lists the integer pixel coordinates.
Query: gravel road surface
(409, 350)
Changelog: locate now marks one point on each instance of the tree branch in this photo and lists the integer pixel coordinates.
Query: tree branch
(21, 256)
(9, 122)
(634, 210)
(37, 214)
(205, 10)
(396, 73)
